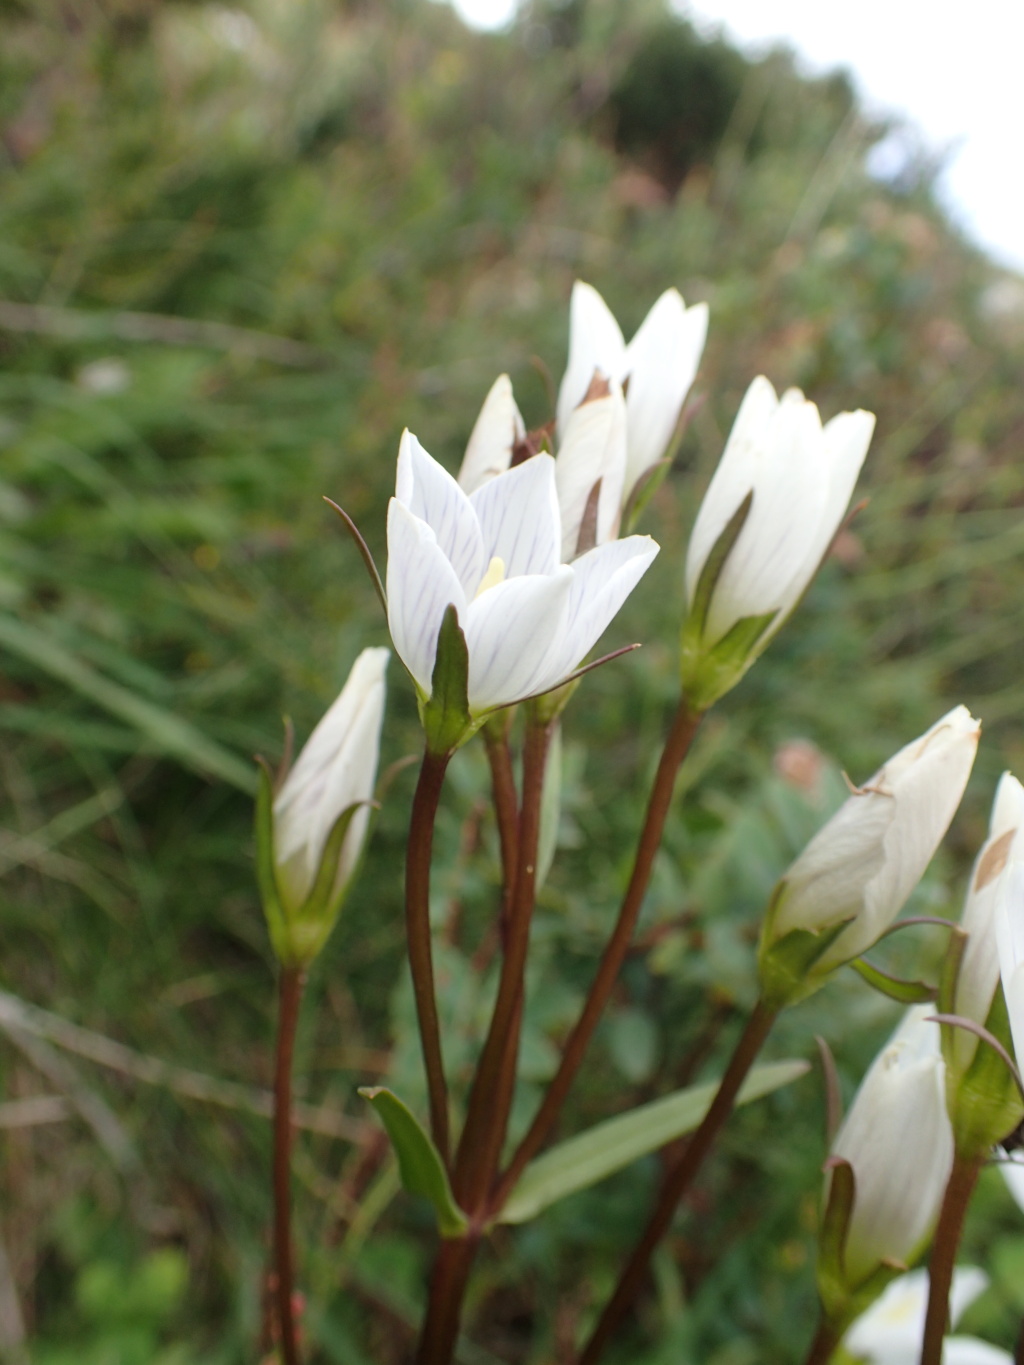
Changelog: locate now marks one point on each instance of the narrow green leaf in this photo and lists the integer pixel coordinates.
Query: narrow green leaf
(167, 733)
(599, 1152)
(835, 1224)
(446, 717)
(906, 992)
(419, 1162)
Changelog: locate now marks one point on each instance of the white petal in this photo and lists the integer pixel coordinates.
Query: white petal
(661, 362)
(497, 429)
(594, 447)
(1013, 1174)
(978, 977)
(898, 1139)
(890, 1331)
(336, 768)
(511, 630)
(420, 585)
(430, 493)
(972, 1351)
(602, 580)
(595, 343)
(519, 519)
(733, 479)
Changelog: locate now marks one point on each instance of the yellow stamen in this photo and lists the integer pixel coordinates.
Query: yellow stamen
(495, 574)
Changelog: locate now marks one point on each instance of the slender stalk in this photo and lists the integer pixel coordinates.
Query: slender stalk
(506, 808)
(678, 1179)
(491, 1096)
(444, 1308)
(677, 745)
(962, 1179)
(822, 1348)
(417, 926)
(290, 997)
(455, 1257)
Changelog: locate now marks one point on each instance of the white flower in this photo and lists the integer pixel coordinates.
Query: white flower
(990, 879)
(495, 435)
(1010, 946)
(656, 369)
(864, 863)
(1013, 1174)
(336, 769)
(801, 476)
(590, 471)
(898, 1139)
(891, 1330)
(528, 619)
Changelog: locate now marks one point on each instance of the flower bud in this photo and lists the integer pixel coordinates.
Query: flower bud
(767, 520)
(898, 1141)
(978, 978)
(859, 869)
(311, 834)
(1009, 917)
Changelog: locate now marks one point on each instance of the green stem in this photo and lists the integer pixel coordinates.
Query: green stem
(962, 1179)
(491, 1096)
(290, 997)
(417, 926)
(678, 1179)
(677, 745)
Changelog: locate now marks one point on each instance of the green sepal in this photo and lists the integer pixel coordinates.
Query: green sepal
(949, 979)
(906, 992)
(445, 714)
(309, 927)
(785, 965)
(419, 1162)
(708, 674)
(591, 1156)
(266, 876)
(713, 566)
(842, 1302)
(985, 1103)
(642, 492)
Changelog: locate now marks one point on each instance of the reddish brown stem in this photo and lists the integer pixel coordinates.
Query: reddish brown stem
(678, 1179)
(417, 927)
(444, 1308)
(491, 1096)
(290, 997)
(962, 1179)
(680, 737)
(822, 1348)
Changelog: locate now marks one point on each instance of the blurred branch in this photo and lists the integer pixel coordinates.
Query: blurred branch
(74, 324)
(12, 1324)
(19, 1017)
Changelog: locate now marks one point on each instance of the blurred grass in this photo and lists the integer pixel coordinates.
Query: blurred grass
(240, 249)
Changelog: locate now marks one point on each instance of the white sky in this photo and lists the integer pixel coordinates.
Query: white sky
(956, 70)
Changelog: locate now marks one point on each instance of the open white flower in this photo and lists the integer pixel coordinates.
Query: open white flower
(528, 619)
(891, 1330)
(898, 1139)
(1010, 946)
(799, 477)
(655, 370)
(989, 885)
(864, 863)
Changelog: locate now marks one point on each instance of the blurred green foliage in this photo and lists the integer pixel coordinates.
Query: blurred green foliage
(240, 248)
